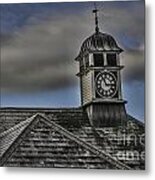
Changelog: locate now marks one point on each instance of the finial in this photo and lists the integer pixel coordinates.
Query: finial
(95, 11)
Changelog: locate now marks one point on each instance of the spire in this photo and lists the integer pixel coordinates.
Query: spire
(95, 11)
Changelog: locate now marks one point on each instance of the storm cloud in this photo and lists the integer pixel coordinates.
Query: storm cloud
(40, 55)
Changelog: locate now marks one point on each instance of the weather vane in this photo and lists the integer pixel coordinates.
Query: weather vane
(95, 11)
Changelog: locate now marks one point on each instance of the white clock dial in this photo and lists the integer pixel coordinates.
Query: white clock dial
(106, 84)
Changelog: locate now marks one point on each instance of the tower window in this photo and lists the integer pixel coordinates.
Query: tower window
(87, 60)
(81, 65)
(111, 59)
(98, 60)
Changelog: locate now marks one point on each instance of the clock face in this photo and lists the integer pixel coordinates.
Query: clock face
(106, 84)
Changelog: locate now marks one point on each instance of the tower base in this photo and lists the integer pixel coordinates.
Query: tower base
(111, 114)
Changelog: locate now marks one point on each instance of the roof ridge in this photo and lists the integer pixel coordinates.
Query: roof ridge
(86, 145)
(40, 108)
(29, 119)
(12, 146)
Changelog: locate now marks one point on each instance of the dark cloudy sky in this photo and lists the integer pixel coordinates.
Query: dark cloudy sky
(40, 41)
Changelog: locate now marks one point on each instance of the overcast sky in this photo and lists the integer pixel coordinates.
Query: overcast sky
(40, 41)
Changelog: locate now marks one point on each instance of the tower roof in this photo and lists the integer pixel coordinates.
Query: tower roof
(99, 42)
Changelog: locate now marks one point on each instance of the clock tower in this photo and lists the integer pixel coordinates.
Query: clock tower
(100, 79)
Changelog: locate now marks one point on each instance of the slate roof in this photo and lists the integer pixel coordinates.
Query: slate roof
(63, 138)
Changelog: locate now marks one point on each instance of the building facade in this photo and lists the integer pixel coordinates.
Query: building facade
(97, 135)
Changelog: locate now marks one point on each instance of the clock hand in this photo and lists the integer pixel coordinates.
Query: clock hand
(107, 83)
(103, 83)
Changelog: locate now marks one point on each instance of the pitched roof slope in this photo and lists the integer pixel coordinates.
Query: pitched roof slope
(44, 143)
(66, 117)
(9, 136)
(75, 120)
